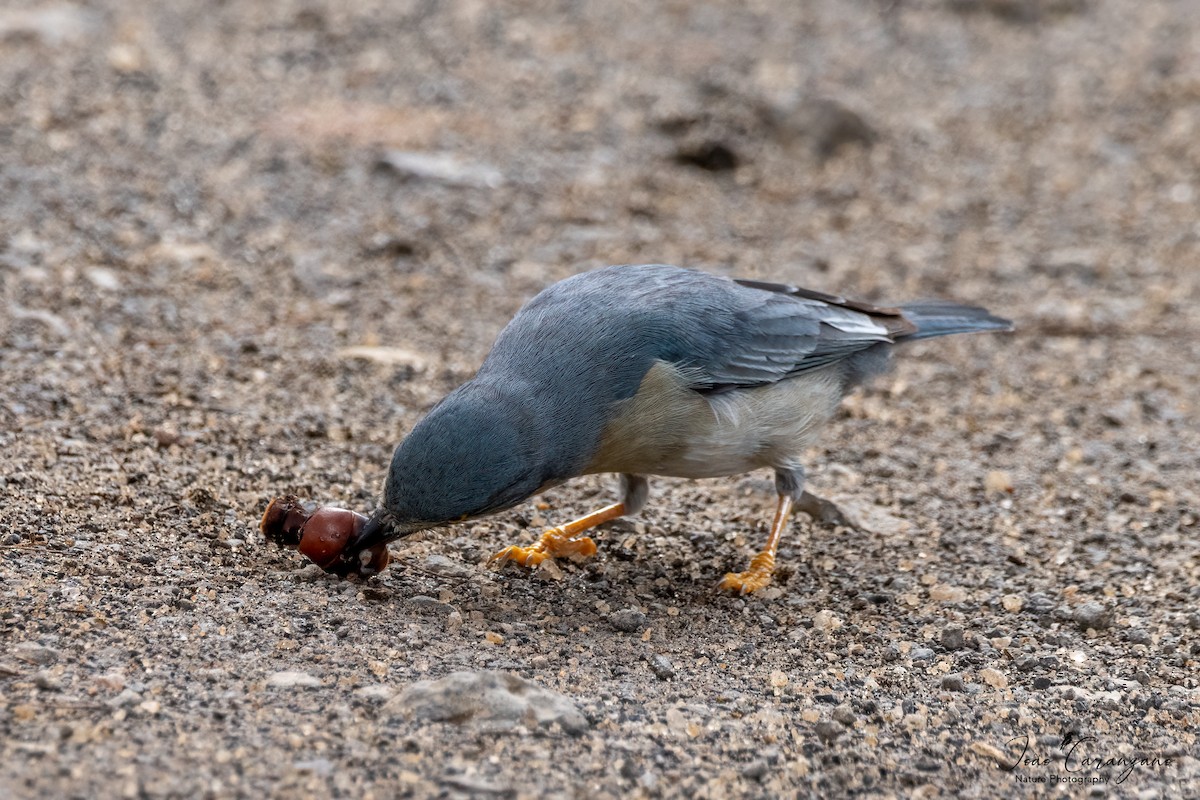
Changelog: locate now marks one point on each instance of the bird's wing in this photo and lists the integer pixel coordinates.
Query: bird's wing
(780, 330)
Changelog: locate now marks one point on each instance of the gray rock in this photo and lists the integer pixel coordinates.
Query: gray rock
(1093, 615)
(34, 653)
(953, 637)
(662, 667)
(828, 731)
(440, 565)
(628, 620)
(921, 654)
(1138, 636)
(954, 682)
(493, 700)
(1121, 414)
(845, 715)
(1039, 604)
(47, 681)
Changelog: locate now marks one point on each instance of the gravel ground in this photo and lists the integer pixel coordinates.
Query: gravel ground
(244, 246)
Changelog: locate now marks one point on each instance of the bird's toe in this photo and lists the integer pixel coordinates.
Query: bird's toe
(757, 577)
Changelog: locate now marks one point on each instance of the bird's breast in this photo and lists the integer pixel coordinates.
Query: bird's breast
(667, 428)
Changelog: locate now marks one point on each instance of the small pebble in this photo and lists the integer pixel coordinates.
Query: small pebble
(826, 620)
(952, 637)
(628, 620)
(945, 593)
(440, 565)
(998, 482)
(1039, 604)
(662, 667)
(1138, 636)
(921, 654)
(47, 681)
(1093, 615)
(756, 770)
(954, 682)
(289, 679)
(34, 653)
(845, 715)
(828, 731)
(549, 570)
(994, 678)
(1012, 603)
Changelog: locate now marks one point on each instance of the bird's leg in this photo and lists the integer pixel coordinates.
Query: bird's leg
(762, 565)
(789, 483)
(565, 540)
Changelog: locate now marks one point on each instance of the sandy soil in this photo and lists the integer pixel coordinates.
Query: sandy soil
(244, 246)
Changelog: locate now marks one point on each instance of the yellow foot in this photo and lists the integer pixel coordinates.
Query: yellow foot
(553, 544)
(753, 579)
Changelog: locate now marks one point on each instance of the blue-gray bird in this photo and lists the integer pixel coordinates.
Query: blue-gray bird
(646, 370)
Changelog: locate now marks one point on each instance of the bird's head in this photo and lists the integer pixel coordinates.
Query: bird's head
(474, 454)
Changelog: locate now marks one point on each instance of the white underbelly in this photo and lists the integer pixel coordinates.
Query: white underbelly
(669, 429)
(769, 426)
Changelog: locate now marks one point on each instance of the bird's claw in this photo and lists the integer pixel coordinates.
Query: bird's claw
(554, 543)
(758, 576)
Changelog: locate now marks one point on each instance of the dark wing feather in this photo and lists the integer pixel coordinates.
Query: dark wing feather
(781, 330)
(831, 299)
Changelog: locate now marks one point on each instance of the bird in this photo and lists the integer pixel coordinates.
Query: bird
(647, 370)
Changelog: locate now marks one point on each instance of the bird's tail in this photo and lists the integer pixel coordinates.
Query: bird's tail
(942, 319)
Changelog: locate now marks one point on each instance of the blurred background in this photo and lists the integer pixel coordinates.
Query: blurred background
(234, 177)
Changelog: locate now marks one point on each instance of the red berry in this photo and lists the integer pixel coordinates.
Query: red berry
(321, 533)
(327, 532)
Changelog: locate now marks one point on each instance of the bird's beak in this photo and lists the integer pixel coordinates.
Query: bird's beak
(378, 530)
